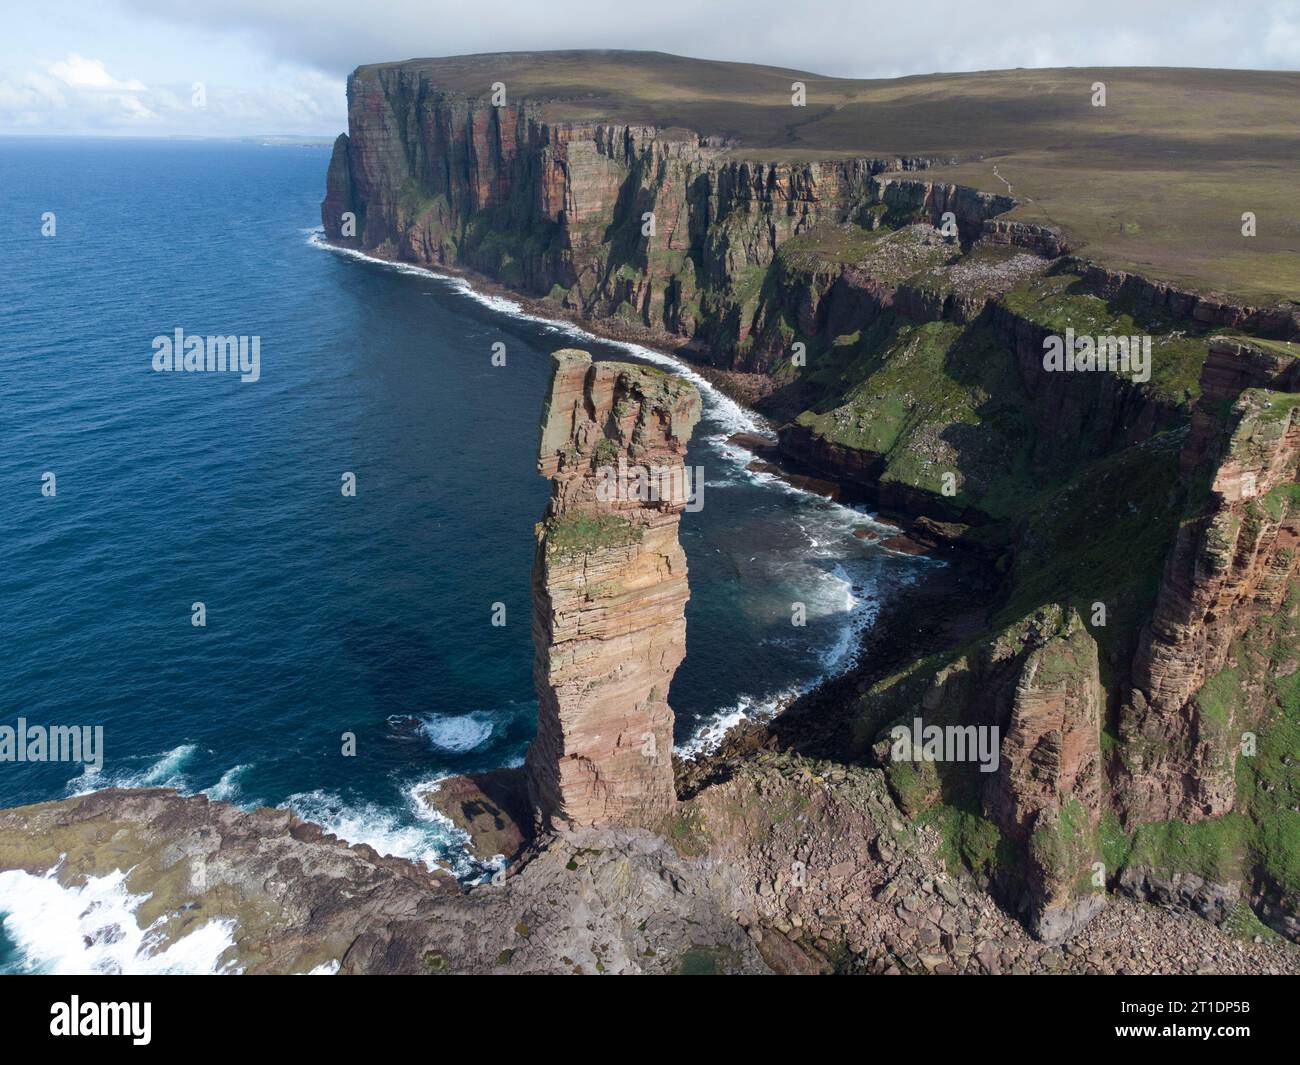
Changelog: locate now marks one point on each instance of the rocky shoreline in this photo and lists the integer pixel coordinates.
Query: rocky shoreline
(787, 850)
(776, 859)
(793, 866)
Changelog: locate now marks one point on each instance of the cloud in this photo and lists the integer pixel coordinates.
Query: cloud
(73, 92)
(1282, 39)
(82, 73)
(277, 66)
(79, 95)
(837, 37)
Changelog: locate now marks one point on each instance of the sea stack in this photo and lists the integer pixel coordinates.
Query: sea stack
(609, 592)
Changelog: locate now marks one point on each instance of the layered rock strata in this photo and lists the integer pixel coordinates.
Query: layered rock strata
(1160, 297)
(560, 208)
(1047, 794)
(1234, 560)
(609, 592)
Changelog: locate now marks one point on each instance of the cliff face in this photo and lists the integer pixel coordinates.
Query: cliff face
(1159, 297)
(958, 337)
(1233, 562)
(609, 592)
(1047, 795)
(1199, 702)
(1035, 690)
(672, 232)
(560, 208)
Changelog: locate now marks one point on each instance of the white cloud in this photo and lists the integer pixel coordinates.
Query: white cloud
(1282, 43)
(82, 73)
(74, 94)
(80, 95)
(277, 66)
(839, 37)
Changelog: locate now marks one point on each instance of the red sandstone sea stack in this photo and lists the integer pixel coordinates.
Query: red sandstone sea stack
(609, 592)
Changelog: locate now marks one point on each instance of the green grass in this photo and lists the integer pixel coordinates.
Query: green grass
(1101, 538)
(579, 534)
(1215, 850)
(1116, 844)
(685, 833)
(1263, 832)
(826, 247)
(1245, 926)
(1064, 847)
(932, 399)
(1221, 696)
(708, 961)
(1059, 301)
(1268, 783)
(1277, 347)
(969, 840)
(1279, 502)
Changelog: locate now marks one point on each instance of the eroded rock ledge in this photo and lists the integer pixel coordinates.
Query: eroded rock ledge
(298, 898)
(792, 865)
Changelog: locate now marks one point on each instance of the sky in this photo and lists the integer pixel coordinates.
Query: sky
(220, 68)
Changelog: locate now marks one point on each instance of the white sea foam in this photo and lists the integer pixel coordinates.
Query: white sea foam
(415, 831)
(227, 789)
(729, 415)
(94, 928)
(713, 729)
(720, 407)
(88, 780)
(456, 734)
(380, 827)
(168, 771)
(457, 857)
(827, 593)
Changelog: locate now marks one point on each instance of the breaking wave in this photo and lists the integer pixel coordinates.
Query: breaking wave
(94, 929)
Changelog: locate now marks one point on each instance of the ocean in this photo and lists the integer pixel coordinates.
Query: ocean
(325, 614)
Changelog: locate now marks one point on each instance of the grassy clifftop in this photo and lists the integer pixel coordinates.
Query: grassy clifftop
(1155, 182)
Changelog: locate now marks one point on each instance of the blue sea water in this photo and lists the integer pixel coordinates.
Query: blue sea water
(325, 614)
